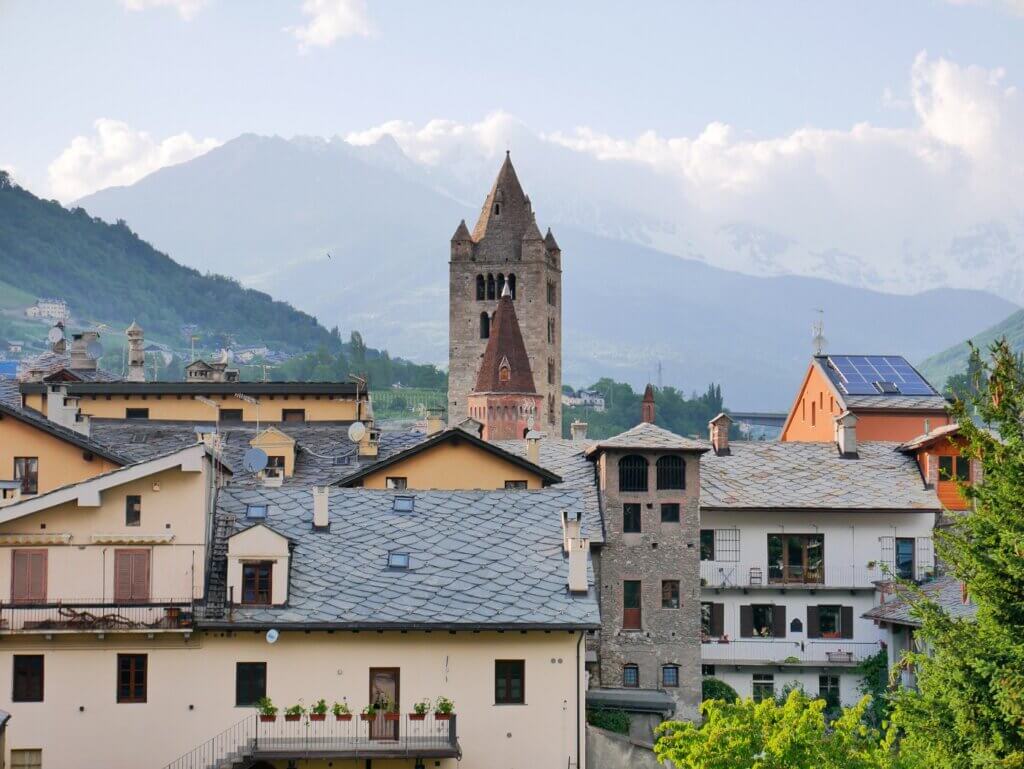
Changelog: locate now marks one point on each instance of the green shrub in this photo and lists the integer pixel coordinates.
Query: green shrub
(612, 720)
(714, 689)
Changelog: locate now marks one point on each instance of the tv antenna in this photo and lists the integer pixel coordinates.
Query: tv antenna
(818, 333)
(94, 350)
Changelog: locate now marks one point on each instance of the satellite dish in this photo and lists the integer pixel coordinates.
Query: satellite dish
(55, 335)
(272, 635)
(356, 432)
(254, 460)
(94, 350)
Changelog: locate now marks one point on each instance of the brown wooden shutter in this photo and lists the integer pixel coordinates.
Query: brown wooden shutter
(718, 619)
(846, 621)
(813, 623)
(28, 575)
(131, 575)
(746, 622)
(779, 622)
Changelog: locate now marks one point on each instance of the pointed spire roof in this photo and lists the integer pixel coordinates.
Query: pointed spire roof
(532, 230)
(513, 207)
(505, 348)
(461, 233)
(132, 328)
(550, 242)
(649, 394)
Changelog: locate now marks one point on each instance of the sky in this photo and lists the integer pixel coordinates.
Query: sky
(101, 92)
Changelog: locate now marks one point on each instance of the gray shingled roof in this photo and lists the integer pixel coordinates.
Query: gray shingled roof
(944, 591)
(648, 436)
(478, 559)
(15, 410)
(777, 475)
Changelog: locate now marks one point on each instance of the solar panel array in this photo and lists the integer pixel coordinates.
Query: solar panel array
(868, 375)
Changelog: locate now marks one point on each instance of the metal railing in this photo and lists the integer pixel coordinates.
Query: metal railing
(233, 744)
(727, 574)
(781, 652)
(83, 615)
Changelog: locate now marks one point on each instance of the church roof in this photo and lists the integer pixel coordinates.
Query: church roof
(513, 211)
(505, 347)
(462, 232)
(550, 242)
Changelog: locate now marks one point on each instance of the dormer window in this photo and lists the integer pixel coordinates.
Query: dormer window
(504, 374)
(398, 560)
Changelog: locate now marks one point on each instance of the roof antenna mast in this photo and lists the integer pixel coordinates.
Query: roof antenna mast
(818, 333)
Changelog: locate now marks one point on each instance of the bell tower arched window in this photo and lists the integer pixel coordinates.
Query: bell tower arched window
(632, 473)
(485, 326)
(501, 284)
(671, 472)
(480, 290)
(490, 287)
(512, 284)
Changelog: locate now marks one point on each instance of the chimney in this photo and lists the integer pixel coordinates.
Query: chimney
(136, 353)
(846, 434)
(321, 498)
(571, 526)
(533, 446)
(435, 421)
(62, 409)
(647, 406)
(578, 430)
(83, 356)
(719, 433)
(576, 547)
(931, 470)
(369, 446)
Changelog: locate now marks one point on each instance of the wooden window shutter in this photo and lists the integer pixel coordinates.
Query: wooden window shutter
(131, 575)
(718, 619)
(28, 575)
(746, 622)
(846, 621)
(813, 623)
(779, 621)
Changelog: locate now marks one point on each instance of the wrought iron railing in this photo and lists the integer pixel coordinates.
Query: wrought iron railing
(744, 574)
(85, 615)
(782, 651)
(234, 743)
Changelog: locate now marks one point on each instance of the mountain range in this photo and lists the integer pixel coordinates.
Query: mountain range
(358, 234)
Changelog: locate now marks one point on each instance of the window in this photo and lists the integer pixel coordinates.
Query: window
(632, 473)
(670, 675)
(762, 621)
(250, 683)
(26, 470)
(136, 413)
(712, 619)
(551, 371)
(551, 409)
(398, 560)
(28, 576)
(490, 287)
(955, 469)
(515, 485)
(828, 690)
(829, 621)
(131, 677)
(552, 293)
(707, 670)
(707, 544)
(133, 510)
(256, 583)
(395, 482)
(763, 686)
(671, 472)
(256, 512)
(131, 576)
(670, 594)
(26, 759)
(275, 466)
(551, 330)
(509, 682)
(504, 374)
(480, 290)
(485, 326)
(501, 284)
(727, 545)
(796, 558)
(631, 619)
(631, 519)
(28, 678)
(230, 415)
(630, 676)
(905, 557)
(293, 415)
(512, 285)
(670, 512)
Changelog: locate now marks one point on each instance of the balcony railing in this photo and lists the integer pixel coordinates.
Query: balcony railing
(783, 652)
(382, 737)
(741, 574)
(92, 616)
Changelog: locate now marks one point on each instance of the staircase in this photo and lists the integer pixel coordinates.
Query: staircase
(234, 748)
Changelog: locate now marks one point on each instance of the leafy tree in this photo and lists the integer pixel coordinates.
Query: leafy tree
(611, 719)
(716, 689)
(968, 710)
(768, 735)
(874, 672)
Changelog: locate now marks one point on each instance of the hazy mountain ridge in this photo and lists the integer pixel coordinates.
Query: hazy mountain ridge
(939, 367)
(269, 210)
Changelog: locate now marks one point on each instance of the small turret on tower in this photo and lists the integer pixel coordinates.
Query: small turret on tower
(136, 353)
(647, 406)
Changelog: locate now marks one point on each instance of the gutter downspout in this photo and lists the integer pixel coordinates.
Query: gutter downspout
(579, 643)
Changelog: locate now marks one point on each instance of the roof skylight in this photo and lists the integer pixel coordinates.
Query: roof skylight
(398, 560)
(404, 504)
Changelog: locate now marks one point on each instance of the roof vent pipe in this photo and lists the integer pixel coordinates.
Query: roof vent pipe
(321, 500)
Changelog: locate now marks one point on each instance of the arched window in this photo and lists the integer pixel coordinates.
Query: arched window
(671, 472)
(480, 290)
(490, 287)
(485, 326)
(633, 473)
(512, 285)
(630, 676)
(551, 409)
(501, 283)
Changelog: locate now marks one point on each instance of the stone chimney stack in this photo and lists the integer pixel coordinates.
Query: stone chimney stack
(578, 430)
(846, 434)
(435, 421)
(719, 433)
(533, 446)
(80, 348)
(321, 501)
(647, 407)
(136, 353)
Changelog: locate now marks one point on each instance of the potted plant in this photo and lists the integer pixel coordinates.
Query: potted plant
(341, 711)
(294, 713)
(267, 709)
(319, 711)
(419, 710)
(391, 711)
(369, 712)
(443, 708)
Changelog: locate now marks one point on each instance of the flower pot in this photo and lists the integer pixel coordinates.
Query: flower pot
(417, 716)
(292, 718)
(392, 716)
(317, 716)
(267, 719)
(442, 716)
(367, 716)
(343, 716)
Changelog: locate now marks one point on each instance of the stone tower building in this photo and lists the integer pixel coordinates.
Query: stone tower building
(136, 354)
(505, 248)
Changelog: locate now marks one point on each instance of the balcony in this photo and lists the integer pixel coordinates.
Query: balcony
(253, 740)
(772, 651)
(85, 616)
(748, 575)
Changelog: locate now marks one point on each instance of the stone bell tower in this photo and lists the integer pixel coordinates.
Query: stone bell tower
(505, 248)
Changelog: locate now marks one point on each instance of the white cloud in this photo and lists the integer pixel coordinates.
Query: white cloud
(187, 9)
(330, 21)
(117, 155)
